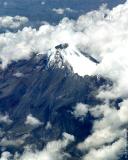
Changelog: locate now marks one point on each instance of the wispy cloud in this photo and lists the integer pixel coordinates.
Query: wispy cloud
(62, 10)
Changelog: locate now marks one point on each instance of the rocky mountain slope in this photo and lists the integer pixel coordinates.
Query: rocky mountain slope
(38, 97)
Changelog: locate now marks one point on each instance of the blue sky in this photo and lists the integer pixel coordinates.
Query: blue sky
(42, 10)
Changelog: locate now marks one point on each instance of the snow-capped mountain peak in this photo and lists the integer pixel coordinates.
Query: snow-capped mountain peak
(57, 57)
(64, 55)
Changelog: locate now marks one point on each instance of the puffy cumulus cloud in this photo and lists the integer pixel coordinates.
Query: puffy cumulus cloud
(123, 112)
(111, 152)
(12, 22)
(80, 110)
(53, 150)
(30, 120)
(8, 141)
(108, 131)
(111, 48)
(5, 119)
(99, 139)
(111, 115)
(5, 156)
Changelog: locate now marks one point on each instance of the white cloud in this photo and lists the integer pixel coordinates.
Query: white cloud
(106, 130)
(58, 10)
(9, 141)
(69, 10)
(99, 138)
(68, 137)
(80, 110)
(5, 156)
(52, 151)
(111, 152)
(126, 1)
(5, 119)
(62, 10)
(12, 22)
(30, 120)
(123, 112)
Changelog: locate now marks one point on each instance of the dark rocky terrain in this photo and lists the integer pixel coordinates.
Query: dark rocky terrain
(50, 94)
